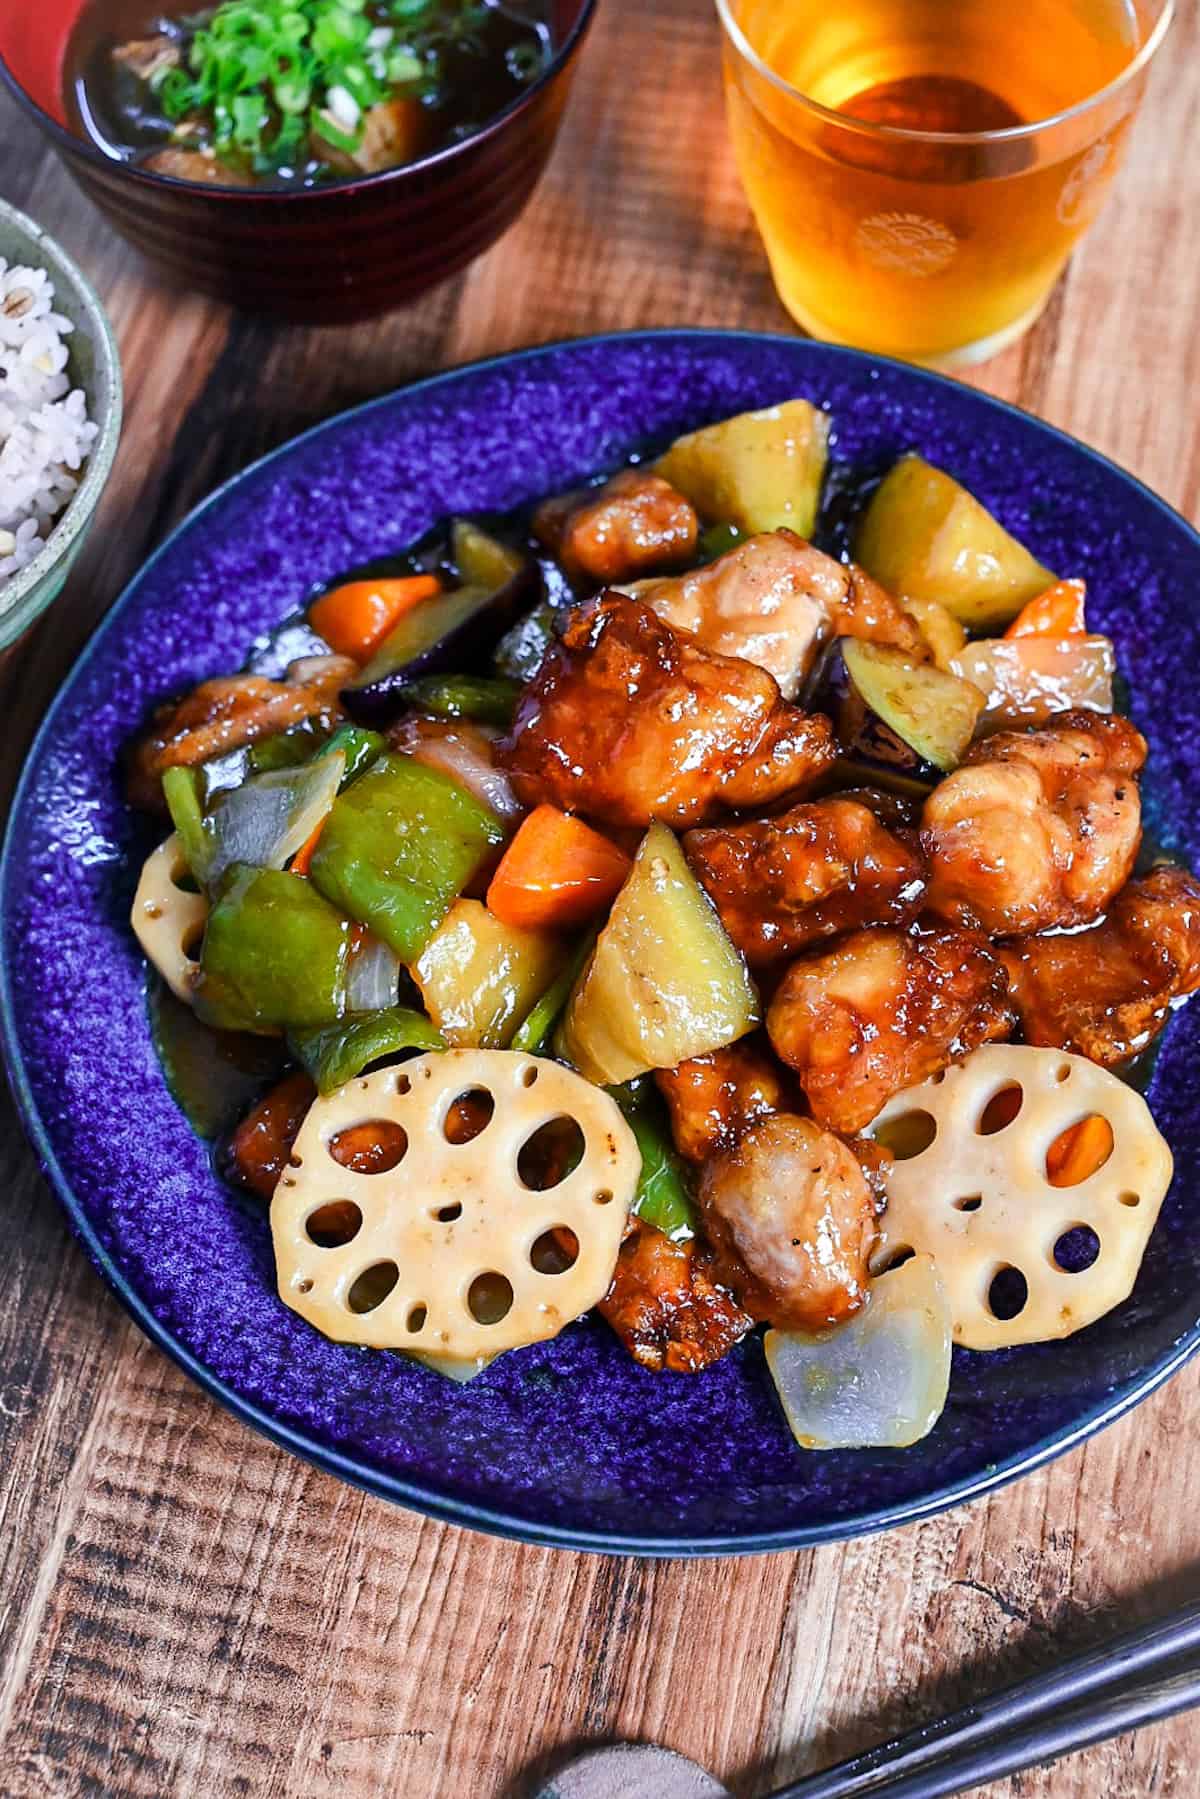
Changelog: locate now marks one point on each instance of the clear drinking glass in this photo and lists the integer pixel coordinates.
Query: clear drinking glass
(920, 170)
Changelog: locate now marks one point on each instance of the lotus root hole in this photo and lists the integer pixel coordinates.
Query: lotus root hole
(555, 1251)
(1080, 1151)
(1063, 1073)
(1130, 1199)
(604, 1197)
(490, 1297)
(1007, 1294)
(374, 1147)
(468, 1115)
(895, 1258)
(333, 1224)
(449, 1214)
(416, 1319)
(192, 939)
(402, 1084)
(1076, 1249)
(554, 1150)
(529, 1076)
(970, 1202)
(1001, 1110)
(372, 1287)
(907, 1135)
(304, 1286)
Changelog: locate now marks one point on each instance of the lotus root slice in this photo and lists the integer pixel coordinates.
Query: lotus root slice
(975, 1194)
(447, 1249)
(167, 919)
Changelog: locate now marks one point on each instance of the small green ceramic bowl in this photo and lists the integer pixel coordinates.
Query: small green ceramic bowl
(95, 366)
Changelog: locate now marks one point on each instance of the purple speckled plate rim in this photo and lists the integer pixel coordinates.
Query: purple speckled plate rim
(357, 1472)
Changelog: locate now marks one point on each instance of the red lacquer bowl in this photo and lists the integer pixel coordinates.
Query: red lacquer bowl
(318, 256)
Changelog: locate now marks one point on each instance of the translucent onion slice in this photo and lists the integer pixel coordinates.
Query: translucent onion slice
(464, 751)
(269, 817)
(373, 980)
(878, 1382)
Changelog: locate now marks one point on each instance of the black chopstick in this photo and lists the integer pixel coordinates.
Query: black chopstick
(1146, 1674)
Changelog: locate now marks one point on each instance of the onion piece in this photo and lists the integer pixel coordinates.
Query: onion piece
(269, 817)
(454, 1368)
(373, 980)
(879, 1381)
(464, 752)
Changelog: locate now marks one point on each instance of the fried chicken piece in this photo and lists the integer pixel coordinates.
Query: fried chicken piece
(792, 1220)
(636, 521)
(628, 720)
(222, 715)
(1037, 829)
(776, 600)
(881, 1010)
(713, 1098)
(667, 1307)
(1106, 993)
(782, 883)
(257, 1153)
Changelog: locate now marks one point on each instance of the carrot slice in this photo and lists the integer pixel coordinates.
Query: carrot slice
(302, 861)
(355, 619)
(1056, 612)
(557, 872)
(1078, 1151)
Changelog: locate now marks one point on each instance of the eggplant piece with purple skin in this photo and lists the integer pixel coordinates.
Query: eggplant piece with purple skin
(455, 630)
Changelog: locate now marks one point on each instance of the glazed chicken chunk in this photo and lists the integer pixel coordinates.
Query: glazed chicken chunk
(783, 883)
(1106, 993)
(229, 713)
(775, 600)
(629, 720)
(792, 1219)
(712, 1099)
(667, 1306)
(1037, 829)
(881, 1010)
(635, 522)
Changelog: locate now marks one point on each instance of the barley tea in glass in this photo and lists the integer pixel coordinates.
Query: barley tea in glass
(920, 170)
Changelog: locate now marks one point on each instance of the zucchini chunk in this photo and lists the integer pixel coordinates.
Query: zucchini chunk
(664, 983)
(758, 471)
(926, 538)
(933, 714)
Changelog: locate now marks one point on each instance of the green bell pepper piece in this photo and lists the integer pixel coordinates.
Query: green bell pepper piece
(486, 701)
(181, 790)
(287, 749)
(663, 1197)
(337, 1053)
(399, 846)
(275, 955)
(362, 748)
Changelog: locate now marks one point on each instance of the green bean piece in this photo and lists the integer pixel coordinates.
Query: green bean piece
(484, 701)
(181, 790)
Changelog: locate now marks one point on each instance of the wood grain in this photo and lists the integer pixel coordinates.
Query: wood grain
(184, 1609)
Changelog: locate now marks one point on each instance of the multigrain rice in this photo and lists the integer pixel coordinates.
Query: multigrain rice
(45, 433)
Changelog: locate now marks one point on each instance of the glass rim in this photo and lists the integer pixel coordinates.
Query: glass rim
(907, 134)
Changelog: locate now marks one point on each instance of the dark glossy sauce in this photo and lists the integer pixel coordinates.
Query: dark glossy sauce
(477, 57)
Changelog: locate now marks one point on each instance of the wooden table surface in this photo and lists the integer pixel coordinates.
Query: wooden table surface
(184, 1609)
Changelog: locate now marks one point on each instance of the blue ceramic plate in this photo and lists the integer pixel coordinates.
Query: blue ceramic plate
(567, 1443)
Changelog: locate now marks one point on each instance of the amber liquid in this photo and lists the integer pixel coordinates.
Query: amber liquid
(939, 252)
